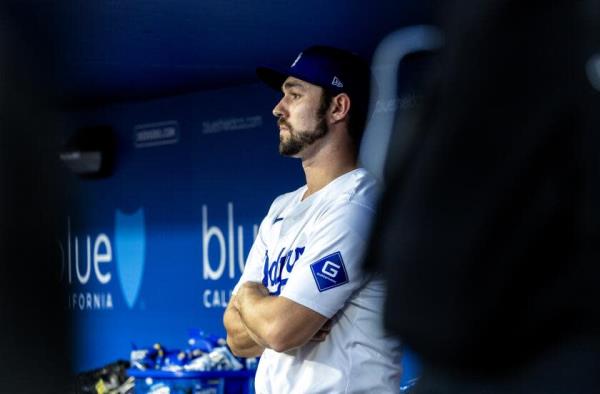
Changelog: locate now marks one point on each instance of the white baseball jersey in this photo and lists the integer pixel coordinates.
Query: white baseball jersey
(310, 251)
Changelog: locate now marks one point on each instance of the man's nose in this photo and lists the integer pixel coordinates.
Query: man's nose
(278, 110)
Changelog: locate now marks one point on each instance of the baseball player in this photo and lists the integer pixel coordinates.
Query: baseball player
(303, 303)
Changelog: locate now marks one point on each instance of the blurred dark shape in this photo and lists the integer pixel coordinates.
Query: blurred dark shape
(414, 71)
(488, 232)
(91, 152)
(33, 321)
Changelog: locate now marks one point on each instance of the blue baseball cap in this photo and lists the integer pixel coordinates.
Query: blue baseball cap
(333, 69)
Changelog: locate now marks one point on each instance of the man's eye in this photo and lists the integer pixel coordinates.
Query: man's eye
(294, 96)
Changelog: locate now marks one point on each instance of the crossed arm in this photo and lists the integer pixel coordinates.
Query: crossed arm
(255, 320)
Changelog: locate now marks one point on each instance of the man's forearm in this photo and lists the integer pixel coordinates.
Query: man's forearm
(239, 339)
(276, 322)
(257, 324)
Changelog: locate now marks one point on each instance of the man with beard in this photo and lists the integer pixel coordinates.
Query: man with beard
(303, 304)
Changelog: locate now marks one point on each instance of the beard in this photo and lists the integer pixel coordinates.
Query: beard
(298, 140)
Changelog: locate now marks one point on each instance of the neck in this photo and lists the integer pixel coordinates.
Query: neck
(326, 162)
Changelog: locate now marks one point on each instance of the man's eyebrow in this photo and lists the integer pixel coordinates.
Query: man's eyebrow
(289, 85)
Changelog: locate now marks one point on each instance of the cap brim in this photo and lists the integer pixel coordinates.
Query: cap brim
(271, 77)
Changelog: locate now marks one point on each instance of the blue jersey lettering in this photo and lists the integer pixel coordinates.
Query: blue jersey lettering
(276, 273)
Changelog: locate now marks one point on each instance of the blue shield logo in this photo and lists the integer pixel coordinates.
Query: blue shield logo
(130, 237)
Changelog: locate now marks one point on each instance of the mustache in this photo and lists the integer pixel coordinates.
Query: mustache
(282, 122)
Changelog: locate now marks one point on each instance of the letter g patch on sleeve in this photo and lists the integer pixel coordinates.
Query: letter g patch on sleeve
(329, 272)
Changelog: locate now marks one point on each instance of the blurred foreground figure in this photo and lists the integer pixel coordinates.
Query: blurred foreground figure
(34, 329)
(489, 229)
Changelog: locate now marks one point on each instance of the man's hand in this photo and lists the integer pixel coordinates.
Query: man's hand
(239, 338)
(323, 332)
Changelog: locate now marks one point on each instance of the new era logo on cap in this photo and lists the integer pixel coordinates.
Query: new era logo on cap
(336, 82)
(329, 272)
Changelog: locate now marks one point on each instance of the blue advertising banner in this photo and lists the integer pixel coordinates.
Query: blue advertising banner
(155, 249)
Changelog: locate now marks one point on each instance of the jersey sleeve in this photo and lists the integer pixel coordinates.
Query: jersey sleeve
(253, 269)
(330, 269)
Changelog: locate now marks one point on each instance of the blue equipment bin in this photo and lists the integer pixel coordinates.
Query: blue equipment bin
(194, 382)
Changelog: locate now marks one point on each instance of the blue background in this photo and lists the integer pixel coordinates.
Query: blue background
(171, 183)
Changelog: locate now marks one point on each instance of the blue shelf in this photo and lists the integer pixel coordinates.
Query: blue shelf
(158, 374)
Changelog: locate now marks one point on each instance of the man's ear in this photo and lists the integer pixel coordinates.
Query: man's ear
(339, 108)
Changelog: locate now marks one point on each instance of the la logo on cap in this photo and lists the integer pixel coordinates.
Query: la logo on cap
(296, 61)
(337, 82)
